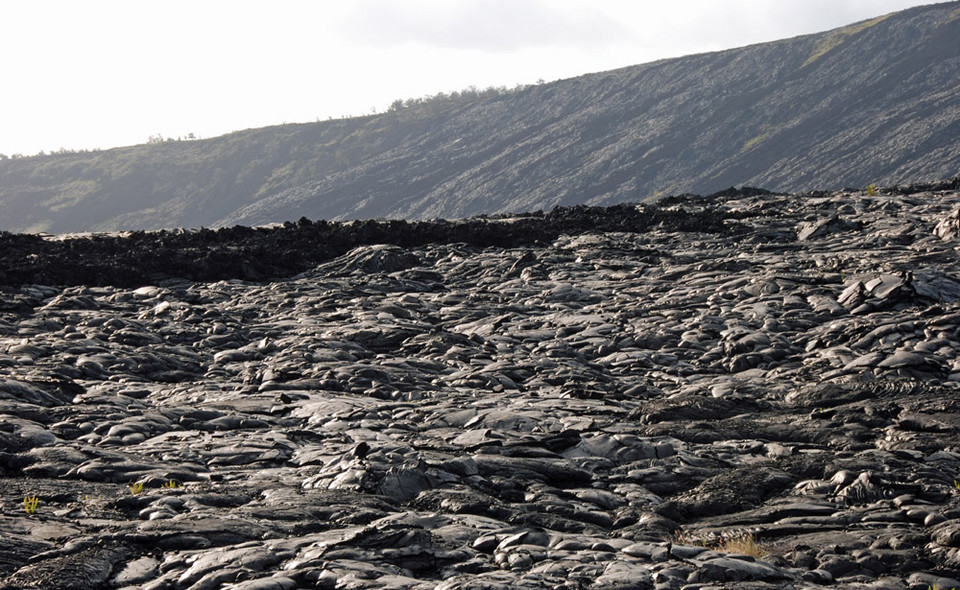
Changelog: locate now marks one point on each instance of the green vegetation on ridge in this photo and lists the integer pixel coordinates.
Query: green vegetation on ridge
(836, 38)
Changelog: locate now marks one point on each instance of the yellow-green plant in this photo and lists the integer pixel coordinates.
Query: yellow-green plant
(871, 190)
(30, 504)
(745, 544)
(170, 485)
(135, 487)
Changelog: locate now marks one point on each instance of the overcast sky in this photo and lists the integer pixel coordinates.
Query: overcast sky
(105, 73)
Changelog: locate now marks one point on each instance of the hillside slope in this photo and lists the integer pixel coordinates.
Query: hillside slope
(874, 102)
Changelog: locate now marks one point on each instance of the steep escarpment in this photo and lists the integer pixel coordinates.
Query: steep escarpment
(766, 401)
(874, 102)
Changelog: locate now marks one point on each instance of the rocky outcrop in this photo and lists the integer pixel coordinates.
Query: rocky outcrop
(770, 403)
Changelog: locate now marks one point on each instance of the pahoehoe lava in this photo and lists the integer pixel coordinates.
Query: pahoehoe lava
(744, 390)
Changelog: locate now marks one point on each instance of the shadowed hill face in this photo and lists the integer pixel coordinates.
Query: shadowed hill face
(874, 102)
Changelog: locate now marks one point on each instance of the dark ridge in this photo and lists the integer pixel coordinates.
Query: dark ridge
(951, 184)
(729, 193)
(263, 253)
(745, 191)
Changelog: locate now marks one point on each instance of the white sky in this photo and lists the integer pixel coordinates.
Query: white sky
(105, 73)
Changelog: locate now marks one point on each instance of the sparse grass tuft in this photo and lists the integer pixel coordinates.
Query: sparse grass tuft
(135, 487)
(871, 190)
(745, 544)
(171, 485)
(30, 504)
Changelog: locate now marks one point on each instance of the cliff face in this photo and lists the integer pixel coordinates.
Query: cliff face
(874, 102)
